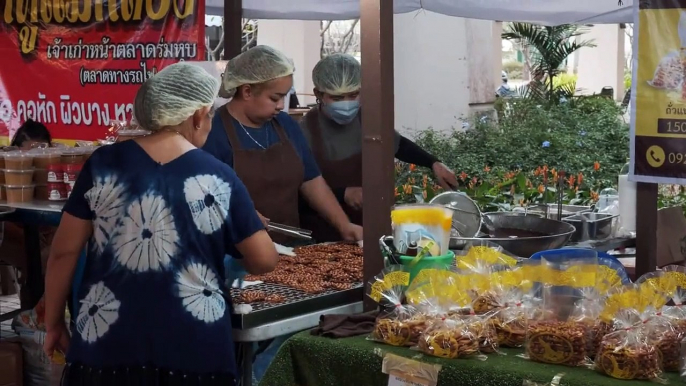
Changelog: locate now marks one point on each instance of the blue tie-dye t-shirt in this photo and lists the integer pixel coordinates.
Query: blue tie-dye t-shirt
(154, 291)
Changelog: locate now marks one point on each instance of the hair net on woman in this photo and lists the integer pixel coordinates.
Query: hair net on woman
(257, 65)
(173, 95)
(337, 74)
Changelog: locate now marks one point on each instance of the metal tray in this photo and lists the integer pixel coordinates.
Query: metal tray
(297, 303)
(550, 210)
(590, 226)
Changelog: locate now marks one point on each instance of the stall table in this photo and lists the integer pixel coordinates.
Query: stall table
(309, 360)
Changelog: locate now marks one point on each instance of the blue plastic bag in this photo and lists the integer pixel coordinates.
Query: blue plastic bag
(234, 270)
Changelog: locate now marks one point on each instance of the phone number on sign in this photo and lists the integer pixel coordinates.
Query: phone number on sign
(676, 158)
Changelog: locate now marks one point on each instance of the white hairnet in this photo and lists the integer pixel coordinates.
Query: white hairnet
(257, 65)
(337, 74)
(173, 95)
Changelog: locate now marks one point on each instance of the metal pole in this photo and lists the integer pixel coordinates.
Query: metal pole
(376, 25)
(233, 28)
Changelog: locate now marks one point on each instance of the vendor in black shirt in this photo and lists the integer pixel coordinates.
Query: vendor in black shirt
(334, 132)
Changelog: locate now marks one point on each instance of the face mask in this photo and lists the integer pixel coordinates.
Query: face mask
(342, 112)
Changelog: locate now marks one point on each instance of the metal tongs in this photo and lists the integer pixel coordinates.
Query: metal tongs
(290, 231)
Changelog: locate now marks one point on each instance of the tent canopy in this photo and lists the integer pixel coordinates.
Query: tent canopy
(545, 12)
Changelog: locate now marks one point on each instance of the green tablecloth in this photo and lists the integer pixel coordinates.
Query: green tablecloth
(306, 360)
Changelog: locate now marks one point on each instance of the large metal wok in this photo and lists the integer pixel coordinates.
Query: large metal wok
(533, 234)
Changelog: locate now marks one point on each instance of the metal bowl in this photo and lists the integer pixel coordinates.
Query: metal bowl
(536, 234)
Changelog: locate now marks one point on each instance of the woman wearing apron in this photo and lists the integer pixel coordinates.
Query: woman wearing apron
(334, 131)
(266, 148)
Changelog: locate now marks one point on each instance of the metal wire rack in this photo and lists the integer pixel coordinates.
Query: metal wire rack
(291, 295)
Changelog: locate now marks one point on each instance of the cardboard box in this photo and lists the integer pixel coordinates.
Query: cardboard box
(11, 364)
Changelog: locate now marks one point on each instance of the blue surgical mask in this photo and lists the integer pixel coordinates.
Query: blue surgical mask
(342, 112)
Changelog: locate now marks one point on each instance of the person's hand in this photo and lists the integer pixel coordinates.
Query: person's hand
(353, 197)
(57, 338)
(265, 221)
(444, 176)
(351, 232)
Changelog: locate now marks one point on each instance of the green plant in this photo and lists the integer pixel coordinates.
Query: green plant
(551, 48)
(627, 80)
(514, 69)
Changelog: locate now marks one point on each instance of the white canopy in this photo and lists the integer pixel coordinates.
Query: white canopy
(546, 12)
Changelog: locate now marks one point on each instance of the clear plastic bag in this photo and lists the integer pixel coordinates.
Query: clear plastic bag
(450, 337)
(587, 313)
(668, 343)
(555, 335)
(627, 352)
(395, 324)
(668, 74)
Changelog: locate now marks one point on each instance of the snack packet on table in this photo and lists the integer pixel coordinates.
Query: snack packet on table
(555, 335)
(487, 252)
(672, 280)
(451, 337)
(395, 325)
(627, 353)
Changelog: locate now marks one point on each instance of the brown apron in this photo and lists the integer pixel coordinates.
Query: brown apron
(345, 173)
(272, 176)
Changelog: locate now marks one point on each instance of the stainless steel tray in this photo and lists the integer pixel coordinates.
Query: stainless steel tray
(550, 210)
(591, 226)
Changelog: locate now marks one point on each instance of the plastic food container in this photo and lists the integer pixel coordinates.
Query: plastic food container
(422, 226)
(20, 193)
(18, 177)
(123, 135)
(40, 176)
(44, 158)
(71, 172)
(70, 187)
(55, 173)
(73, 156)
(41, 192)
(18, 160)
(56, 191)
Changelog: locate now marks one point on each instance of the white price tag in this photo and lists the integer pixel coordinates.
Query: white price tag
(395, 380)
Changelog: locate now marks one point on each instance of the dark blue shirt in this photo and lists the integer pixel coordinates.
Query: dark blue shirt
(219, 146)
(154, 290)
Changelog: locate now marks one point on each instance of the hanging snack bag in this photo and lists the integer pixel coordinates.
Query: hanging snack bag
(395, 325)
(553, 335)
(627, 352)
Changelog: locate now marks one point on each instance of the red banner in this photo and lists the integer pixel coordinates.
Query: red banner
(75, 65)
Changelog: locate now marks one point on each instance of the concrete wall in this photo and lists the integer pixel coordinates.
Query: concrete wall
(446, 68)
(602, 65)
(300, 40)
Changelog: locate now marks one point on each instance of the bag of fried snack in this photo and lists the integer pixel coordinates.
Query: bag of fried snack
(554, 335)
(394, 324)
(450, 337)
(587, 313)
(477, 266)
(672, 281)
(510, 294)
(627, 353)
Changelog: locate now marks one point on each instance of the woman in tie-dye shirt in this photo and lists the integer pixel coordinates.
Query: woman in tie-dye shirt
(158, 216)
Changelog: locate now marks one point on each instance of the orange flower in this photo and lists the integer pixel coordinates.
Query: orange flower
(471, 185)
(410, 180)
(554, 173)
(474, 180)
(487, 169)
(425, 180)
(579, 178)
(413, 167)
(545, 170)
(570, 181)
(395, 192)
(424, 194)
(463, 176)
(541, 189)
(596, 166)
(528, 183)
(407, 189)
(594, 196)
(509, 175)
(537, 172)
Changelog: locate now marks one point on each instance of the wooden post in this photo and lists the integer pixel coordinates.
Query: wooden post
(646, 228)
(233, 28)
(378, 179)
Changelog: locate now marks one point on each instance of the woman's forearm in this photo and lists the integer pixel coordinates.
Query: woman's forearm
(322, 200)
(58, 280)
